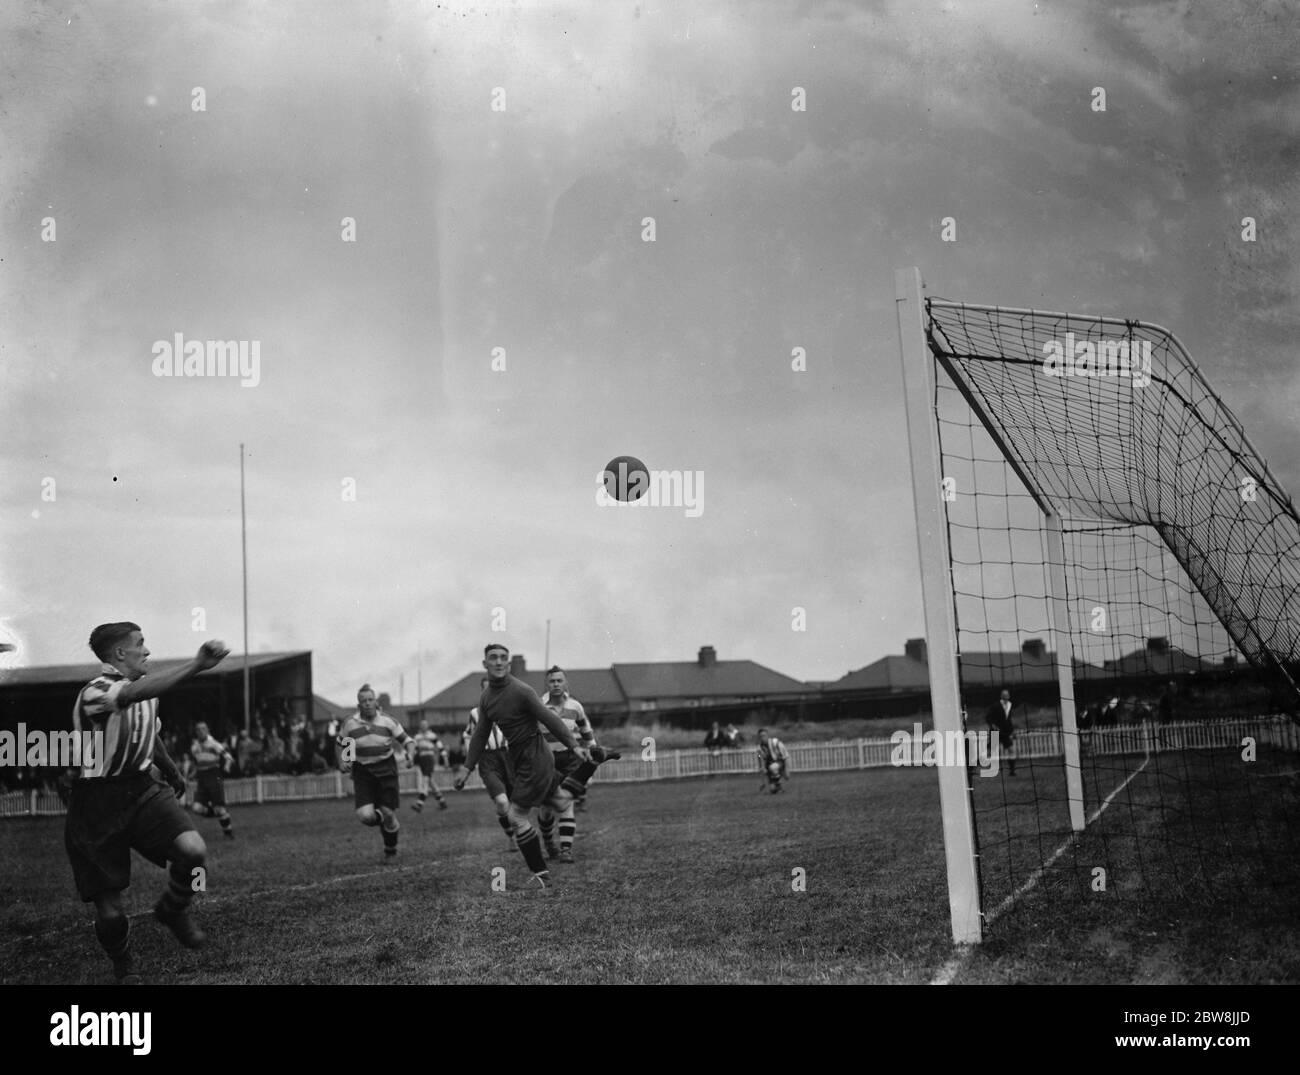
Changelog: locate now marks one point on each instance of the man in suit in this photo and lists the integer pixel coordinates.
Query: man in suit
(998, 716)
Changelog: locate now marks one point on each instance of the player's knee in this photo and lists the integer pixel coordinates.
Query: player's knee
(367, 815)
(189, 850)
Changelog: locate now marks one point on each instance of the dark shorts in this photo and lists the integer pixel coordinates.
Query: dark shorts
(535, 775)
(210, 790)
(107, 818)
(376, 785)
(495, 771)
(426, 764)
(565, 762)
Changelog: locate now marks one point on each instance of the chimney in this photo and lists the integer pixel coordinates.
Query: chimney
(517, 665)
(1034, 648)
(1158, 645)
(708, 657)
(916, 649)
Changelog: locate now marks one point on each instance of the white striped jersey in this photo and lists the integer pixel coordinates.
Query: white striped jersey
(130, 734)
(569, 710)
(495, 740)
(374, 739)
(427, 745)
(771, 749)
(208, 754)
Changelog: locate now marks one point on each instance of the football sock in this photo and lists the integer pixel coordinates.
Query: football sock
(547, 824)
(225, 824)
(505, 824)
(114, 935)
(568, 827)
(531, 847)
(178, 894)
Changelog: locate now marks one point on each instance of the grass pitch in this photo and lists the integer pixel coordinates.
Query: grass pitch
(693, 881)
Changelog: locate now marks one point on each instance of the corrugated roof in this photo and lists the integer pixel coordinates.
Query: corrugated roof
(78, 674)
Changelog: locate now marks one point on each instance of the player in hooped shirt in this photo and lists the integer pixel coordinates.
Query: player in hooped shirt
(428, 748)
(367, 750)
(560, 702)
(117, 803)
(210, 759)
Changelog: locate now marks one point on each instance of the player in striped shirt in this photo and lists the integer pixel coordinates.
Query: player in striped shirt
(494, 768)
(514, 706)
(428, 748)
(367, 749)
(210, 759)
(772, 758)
(560, 702)
(117, 803)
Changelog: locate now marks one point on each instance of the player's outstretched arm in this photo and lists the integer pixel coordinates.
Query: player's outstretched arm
(210, 655)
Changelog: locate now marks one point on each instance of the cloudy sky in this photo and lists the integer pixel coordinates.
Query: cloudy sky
(194, 165)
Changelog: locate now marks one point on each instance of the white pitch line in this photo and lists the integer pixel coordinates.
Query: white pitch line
(953, 967)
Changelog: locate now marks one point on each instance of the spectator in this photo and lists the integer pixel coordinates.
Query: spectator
(734, 738)
(1167, 707)
(998, 717)
(714, 742)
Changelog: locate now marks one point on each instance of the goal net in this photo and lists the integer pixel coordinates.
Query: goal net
(1118, 559)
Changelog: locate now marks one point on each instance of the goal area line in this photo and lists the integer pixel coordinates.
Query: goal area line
(948, 973)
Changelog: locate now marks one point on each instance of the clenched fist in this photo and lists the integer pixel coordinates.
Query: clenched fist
(212, 653)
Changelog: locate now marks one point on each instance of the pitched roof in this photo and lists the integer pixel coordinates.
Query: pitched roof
(79, 674)
(1151, 662)
(591, 686)
(688, 679)
(893, 673)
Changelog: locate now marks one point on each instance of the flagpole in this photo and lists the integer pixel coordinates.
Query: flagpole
(419, 681)
(547, 663)
(243, 540)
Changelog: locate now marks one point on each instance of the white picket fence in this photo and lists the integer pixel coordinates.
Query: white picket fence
(838, 754)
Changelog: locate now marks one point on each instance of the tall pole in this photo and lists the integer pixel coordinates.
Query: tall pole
(243, 541)
(419, 681)
(547, 663)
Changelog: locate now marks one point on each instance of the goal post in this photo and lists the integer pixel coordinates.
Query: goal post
(936, 593)
(1098, 536)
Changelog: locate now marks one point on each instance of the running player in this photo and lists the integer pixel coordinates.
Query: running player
(568, 709)
(494, 769)
(117, 803)
(428, 749)
(210, 759)
(515, 707)
(772, 758)
(366, 750)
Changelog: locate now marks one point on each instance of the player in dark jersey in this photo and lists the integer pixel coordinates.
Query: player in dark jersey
(493, 768)
(117, 803)
(210, 758)
(514, 706)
